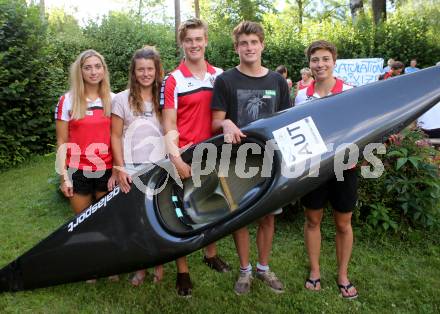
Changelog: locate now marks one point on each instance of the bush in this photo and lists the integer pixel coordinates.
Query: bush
(120, 35)
(28, 82)
(407, 195)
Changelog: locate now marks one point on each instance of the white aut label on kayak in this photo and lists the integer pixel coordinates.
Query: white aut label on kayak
(299, 141)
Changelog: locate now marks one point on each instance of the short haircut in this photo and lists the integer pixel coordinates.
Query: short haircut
(306, 71)
(248, 28)
(321, 44)
(191, 24)
(397, 65)
(281, 69)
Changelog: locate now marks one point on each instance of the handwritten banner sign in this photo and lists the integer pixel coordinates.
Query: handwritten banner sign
(358, 72)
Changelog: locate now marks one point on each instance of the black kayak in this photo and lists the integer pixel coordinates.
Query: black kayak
(234, 185)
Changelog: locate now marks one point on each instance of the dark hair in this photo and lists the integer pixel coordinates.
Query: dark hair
(135, 98)
(321, 44)
(397, 65)
(248, 27)
(191, 24)
(281, 69)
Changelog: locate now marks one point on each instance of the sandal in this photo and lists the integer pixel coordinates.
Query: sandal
(183, 285)
(138, 278)
(217, 264)
(313, 282)
(114, 278)
(347, 296)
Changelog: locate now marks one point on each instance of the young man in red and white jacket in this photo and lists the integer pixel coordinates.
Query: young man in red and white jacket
(186, 108)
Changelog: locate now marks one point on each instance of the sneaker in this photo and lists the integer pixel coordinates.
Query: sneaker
(217, 264)
(184, 285)
(243, 284)
(270, 279)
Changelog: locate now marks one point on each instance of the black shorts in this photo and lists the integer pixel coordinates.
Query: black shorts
(86, 183)
(341, 194)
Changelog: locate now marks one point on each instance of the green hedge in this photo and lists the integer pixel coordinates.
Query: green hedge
(119, 35)
(28, 83)
(35, 58)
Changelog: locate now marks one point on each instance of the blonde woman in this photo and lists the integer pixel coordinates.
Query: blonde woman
(136, 121)
(306, 80)
(83, 132)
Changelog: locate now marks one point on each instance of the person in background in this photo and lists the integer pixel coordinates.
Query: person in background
(244, 94)
(135, 117)
(185, 100)
(342, 195)
(396, 69)
(412, 67)
(388, 67)
(83, 134)
(282, 70)
(306, 80)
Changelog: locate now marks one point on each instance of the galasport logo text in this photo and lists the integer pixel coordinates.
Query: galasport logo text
(92, 209)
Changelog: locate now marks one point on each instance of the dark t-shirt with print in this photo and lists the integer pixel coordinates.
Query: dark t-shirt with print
(246, 98)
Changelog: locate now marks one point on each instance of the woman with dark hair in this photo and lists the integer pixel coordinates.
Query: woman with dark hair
(136, 124)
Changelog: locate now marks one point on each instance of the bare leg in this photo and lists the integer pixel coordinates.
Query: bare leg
(312, 239)
(182, 265)
(241, 238)
(158, 273)
(211, 250)
(344, 246)
(79, 202)
(99, 194)
(265, 232)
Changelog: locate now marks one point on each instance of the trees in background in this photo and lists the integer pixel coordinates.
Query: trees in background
(28, 83)
(35, 55)
(379, 8)
(356, 7)
(176, 23)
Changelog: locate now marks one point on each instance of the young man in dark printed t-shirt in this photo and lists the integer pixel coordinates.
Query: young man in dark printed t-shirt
(244, 94)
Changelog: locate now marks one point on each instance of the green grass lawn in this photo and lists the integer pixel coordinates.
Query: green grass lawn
(391, 275)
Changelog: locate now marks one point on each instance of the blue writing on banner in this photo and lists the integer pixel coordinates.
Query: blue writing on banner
(358, 72)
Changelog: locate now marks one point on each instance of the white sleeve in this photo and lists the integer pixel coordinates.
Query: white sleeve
(63, 108)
